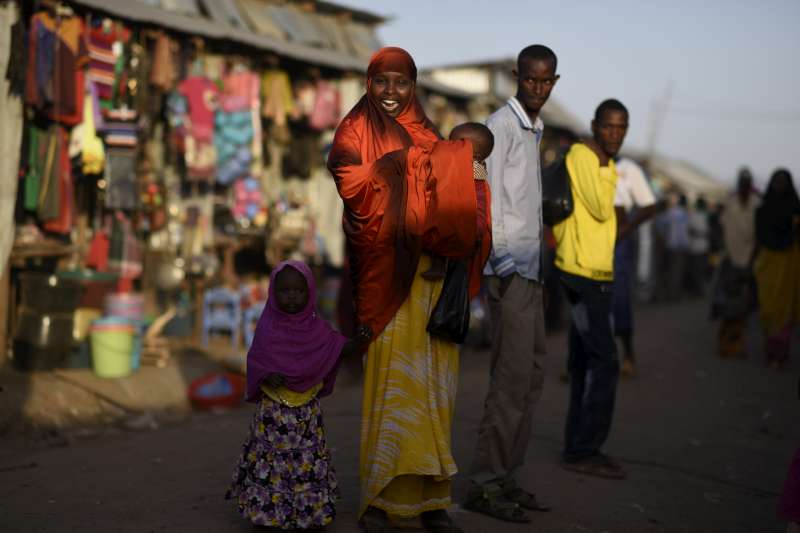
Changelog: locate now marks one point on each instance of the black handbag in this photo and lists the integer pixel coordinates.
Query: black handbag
(450, 317)
(557, 202)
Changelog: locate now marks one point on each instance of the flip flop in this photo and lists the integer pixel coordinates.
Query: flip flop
(526, 500)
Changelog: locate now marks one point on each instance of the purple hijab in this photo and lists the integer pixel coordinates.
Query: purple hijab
(302, 347)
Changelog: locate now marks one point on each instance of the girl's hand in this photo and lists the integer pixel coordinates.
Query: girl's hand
(358, 342)
(274, 381)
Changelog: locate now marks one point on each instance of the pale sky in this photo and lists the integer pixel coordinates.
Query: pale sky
(734, 66)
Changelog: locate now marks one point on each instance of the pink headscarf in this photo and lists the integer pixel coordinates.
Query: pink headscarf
(302, 347)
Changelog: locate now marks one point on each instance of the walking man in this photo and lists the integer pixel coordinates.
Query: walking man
(514, 282)
(585, 257)
(638, 203)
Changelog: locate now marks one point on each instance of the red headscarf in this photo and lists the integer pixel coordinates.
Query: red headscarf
(404, 192)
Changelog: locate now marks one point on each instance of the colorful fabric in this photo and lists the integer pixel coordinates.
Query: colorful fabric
(55, 76)
(164, 72)
(327, 109)
(278, 101)
(284, 477)
(301, 347)
(34, 168)
(201, 95)
(102, 60)
(410, 384)
(120, 129)
(593, 189)
(404, 191)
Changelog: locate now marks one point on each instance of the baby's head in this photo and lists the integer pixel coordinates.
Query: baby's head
(291, 290)
(479, 135)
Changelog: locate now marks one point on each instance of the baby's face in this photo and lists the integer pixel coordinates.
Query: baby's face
(480, 148)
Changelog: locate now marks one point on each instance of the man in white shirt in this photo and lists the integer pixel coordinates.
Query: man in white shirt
(513, 279)
(635, 203)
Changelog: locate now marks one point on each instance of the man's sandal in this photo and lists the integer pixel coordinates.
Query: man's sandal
(496, 506)
(526, 500)
(439, 522)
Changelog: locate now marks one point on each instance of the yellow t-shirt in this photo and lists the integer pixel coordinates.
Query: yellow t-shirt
(586, 239)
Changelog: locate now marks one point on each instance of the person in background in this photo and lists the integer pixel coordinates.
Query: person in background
(732, 298)
(677, 245)
(585, 257)
(635, 198)
(777, 267)
(698, 247)
(513, 280)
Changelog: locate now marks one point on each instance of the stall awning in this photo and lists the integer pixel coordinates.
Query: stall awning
(138, 11)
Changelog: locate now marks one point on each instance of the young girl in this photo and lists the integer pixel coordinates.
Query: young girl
(284, 477)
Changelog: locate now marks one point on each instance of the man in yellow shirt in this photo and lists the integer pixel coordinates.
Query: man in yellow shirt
(585, 257)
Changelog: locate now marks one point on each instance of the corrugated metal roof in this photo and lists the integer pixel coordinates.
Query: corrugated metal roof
(226, 12)
(230, 19)
(137, 11)
(297, 25)
(144, 13)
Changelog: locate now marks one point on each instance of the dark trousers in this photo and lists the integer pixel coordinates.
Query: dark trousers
(624, 276)
(593, 367)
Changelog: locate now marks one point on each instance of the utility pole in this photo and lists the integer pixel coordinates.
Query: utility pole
(658, 114)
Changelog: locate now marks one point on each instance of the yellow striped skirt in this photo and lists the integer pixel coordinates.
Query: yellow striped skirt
(409, 395)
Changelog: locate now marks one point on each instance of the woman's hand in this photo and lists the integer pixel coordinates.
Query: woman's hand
(363, 334)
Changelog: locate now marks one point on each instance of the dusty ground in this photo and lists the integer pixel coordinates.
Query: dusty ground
(706, 443)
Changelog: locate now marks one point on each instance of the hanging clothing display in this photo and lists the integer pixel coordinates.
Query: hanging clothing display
(327, 106)
(201, 97)
(55, 75)
(164, 71)
(102, 56)
(277, 92)
(121, 138)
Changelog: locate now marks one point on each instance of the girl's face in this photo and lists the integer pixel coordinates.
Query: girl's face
(291, 291)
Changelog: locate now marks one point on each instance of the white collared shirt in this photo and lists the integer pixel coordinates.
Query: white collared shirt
(515, 181)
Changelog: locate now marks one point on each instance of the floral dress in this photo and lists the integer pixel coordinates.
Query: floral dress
(284, 477)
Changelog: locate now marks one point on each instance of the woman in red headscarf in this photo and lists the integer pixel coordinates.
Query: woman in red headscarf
(407, 195)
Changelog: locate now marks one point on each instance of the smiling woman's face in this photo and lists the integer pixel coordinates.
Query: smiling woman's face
(392, 91)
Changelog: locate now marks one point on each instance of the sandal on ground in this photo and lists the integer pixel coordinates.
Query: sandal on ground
(599, 468)
(374, 520)
(496, 506)
(439, 522)
(526, 500)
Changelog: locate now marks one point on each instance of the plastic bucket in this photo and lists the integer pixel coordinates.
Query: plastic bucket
(112, 341)
(128, 305)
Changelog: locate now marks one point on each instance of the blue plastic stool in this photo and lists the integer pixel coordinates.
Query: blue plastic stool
(222, 312)
(251, 316)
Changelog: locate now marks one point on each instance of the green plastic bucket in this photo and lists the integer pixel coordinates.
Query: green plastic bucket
(112, 347)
